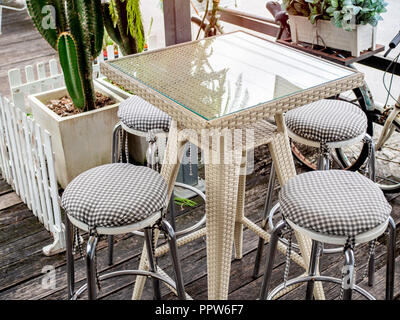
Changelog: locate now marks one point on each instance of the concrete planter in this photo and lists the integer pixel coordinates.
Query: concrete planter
(324, 33)
(79, 142)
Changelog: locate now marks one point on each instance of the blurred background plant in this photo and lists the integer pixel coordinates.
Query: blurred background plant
(123, 22)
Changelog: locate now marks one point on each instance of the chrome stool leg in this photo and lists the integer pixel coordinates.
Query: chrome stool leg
(390, 262)
(114, 159)
(271, 257)
(171, 237)
(371, 157)
(69, 232)
(152, 264)
(91, 267)
(110, 250)
(372, 175)
(324, 161)
(264, 223)
(348, 281)
(312, 269)
(371, 270)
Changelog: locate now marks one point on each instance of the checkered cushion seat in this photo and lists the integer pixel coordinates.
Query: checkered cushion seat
(115, 195)
(334, 202)
(141, 115)
(327, 121)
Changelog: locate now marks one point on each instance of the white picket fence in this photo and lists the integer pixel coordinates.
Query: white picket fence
(27, 164)
(26, 156)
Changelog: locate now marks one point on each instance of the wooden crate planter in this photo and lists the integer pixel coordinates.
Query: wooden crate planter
(324, 33)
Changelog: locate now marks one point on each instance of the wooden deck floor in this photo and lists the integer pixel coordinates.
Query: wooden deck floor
(22, 264)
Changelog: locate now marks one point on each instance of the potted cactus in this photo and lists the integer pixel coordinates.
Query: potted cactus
(340, 24)
(82, 140)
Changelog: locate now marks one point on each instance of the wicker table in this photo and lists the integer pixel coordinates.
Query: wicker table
(221, 84)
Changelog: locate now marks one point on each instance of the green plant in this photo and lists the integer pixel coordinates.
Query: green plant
(76, 32)
(123, 22)
(183, 202)
(346, 13)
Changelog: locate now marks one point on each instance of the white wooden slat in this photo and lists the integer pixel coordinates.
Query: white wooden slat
(53, 182)
(110, 52)
(30, 78)
(10, 155)
(19, 157)
(17, 95)
(30, 147)
(48, 212)
(5, 161)
(41, 214)
(55, 74)
(25, 145)
(21, 153)
(41, 70)
(53, 67)
(12, 147)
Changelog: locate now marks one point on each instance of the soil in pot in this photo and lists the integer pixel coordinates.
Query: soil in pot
(64, 106)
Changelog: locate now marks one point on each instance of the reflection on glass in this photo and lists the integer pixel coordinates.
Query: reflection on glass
(220, 76)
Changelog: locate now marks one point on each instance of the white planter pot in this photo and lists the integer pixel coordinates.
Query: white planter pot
(324, 33)
(81, 141)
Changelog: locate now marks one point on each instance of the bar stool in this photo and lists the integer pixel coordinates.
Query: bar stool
(335, 207)
(141, 118)
(326, 124)
(116, 199)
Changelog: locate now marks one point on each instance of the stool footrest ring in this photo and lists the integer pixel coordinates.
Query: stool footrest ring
(127, 273)
(297, 280)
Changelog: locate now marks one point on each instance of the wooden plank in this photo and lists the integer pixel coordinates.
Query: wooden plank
(4, 187)
(9, 200)
(14, 215)
(177, 23)
(249, 23)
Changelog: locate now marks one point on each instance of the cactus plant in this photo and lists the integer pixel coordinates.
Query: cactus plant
(123, 23)
(78, 37)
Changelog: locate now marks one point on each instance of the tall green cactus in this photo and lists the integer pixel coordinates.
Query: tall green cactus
(78, 38)
(123, 23)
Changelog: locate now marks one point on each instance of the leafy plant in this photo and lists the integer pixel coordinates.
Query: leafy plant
(346, 13)
(76, 31)
(123, 22)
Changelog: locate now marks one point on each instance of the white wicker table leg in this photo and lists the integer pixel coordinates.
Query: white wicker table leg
(238, 237)
(221, 188)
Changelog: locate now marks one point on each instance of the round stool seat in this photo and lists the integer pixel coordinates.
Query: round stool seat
(115, 195)
(140, 115)
(334, 203)
(327, 121)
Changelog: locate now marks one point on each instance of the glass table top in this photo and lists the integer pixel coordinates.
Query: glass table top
(223, 75)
